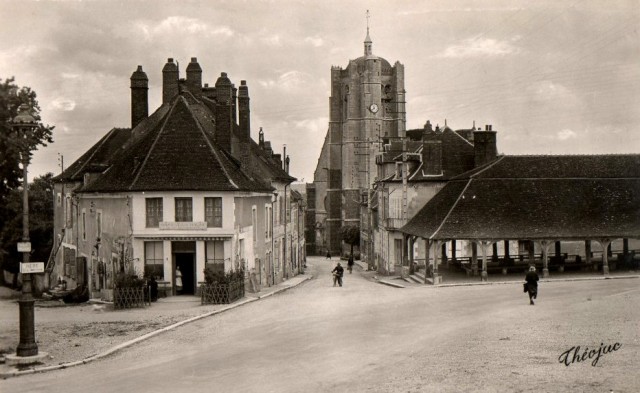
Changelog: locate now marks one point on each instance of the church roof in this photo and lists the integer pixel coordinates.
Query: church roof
(537, 197)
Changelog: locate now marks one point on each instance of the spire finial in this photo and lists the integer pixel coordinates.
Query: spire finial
(368, 16)
(367, 40)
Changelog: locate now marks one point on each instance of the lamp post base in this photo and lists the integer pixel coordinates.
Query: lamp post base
(27, 346)
(15, 360)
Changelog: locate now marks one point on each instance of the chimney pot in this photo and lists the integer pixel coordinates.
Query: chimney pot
(139, 96)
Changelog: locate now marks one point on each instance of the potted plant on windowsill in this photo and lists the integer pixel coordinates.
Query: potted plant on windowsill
(222, 288)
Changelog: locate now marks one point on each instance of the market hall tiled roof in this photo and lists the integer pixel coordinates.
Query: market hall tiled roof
(537, 197)
(179, 153)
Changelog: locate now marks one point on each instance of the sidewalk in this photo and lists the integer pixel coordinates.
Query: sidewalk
(78, 334)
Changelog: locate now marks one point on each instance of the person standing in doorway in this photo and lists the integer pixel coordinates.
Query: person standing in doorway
(178, 280)
(337, 271)
(350, 264)
(532, 284)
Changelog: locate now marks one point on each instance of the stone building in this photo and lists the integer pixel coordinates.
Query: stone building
(411, 171)
(185, 187)
(367, 104)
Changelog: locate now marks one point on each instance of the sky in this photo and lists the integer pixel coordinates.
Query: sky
(552, 77)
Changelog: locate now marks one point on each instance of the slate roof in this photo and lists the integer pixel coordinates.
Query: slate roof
(174, 149)
(458, 156)
(97, 158)
(537, 197)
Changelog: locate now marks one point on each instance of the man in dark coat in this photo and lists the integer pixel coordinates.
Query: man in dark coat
(337, 271)
(532, 284)
(350, 264)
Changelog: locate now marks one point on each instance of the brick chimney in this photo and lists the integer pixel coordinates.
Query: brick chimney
(224, 121)
(432, 155)
(484, 146)
(234, 103)
(244, 112)
(169, 81)
(139, 97)
(194, 78)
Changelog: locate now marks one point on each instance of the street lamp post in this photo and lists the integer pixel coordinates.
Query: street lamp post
(24, 124)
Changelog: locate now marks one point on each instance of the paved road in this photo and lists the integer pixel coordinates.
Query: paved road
(367, 337)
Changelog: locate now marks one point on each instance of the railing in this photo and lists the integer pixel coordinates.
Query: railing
(222, 293)
(129, 297)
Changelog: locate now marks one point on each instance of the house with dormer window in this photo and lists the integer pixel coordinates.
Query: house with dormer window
(184, 189)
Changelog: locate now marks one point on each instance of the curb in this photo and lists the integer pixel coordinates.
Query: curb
(391, 284)
(468, 284)
(546, 280)
(146, 336)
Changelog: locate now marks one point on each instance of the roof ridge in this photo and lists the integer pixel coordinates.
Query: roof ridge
(101, 143)
(153, 145)
(452, 207)
(455, 132)
(573, 155)
(213, 150)
(491, 164)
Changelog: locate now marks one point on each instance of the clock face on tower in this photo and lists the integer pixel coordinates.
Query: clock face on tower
(373, 108)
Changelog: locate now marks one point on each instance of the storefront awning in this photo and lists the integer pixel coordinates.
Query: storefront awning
(183, 238)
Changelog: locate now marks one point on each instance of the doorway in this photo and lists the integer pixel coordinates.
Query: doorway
(184, 259)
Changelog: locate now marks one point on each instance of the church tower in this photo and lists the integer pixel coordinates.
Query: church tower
(367, 106)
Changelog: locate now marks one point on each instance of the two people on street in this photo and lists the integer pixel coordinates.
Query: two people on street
(337, 271)
(531, 284)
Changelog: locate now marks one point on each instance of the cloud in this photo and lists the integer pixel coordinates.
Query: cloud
(181, 25)
(287, 81)
(272, 40)
(315, 41)
(457, 10)
(566, 134)
(313, 126)
(552, 93)
(63, 104)
(478, 47)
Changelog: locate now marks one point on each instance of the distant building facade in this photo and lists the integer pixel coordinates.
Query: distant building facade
(184, 188)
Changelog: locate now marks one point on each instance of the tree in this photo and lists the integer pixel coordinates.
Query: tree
(351, 235)
(40, 224)
(12, 146)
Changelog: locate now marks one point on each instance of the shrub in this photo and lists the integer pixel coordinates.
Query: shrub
(212, 276)
(129, 279)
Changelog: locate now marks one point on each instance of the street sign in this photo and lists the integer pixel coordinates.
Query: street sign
(32, 267)
(24, 246)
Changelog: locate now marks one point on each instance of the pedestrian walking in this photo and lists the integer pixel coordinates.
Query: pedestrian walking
(328, 254)
(350, 264)
(337, 271)
(531, 284)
